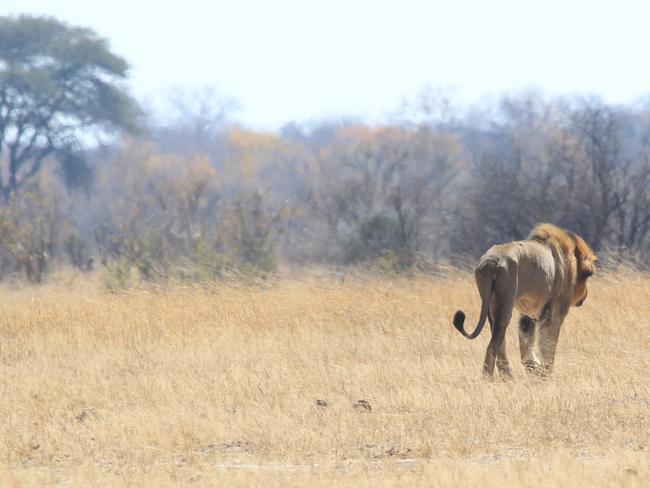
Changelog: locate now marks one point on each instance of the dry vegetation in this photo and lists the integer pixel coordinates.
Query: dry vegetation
(219, 386)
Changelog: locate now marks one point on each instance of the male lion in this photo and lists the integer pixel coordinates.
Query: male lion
(541, 277)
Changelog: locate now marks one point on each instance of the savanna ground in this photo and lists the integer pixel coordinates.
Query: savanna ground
(221, 386)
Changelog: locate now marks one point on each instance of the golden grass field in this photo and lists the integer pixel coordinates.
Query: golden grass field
(218, 386)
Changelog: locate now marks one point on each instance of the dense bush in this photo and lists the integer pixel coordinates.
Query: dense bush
(236, 202)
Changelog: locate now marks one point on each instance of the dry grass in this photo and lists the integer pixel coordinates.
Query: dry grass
(219, 387)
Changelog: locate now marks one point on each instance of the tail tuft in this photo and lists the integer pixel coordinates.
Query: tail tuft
(459, 321)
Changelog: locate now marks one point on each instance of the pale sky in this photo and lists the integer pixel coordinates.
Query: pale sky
(285, 60)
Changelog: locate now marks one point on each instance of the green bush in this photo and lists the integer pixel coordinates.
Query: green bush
(117, 276)
(380, 243)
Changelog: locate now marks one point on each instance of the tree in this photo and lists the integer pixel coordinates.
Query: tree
(579, 163)
(381, 191)
(193, 121)
(59, 91)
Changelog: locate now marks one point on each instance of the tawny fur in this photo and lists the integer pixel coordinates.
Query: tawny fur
(541, 277)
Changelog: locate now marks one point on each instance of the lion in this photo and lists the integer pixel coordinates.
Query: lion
(542, 277)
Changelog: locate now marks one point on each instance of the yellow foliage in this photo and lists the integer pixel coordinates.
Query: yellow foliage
(140, 165)
(251, 154)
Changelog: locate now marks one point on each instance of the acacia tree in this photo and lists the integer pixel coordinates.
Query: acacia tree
(59, 90)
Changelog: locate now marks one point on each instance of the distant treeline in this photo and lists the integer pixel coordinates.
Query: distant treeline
(200, 197)
(89, 179)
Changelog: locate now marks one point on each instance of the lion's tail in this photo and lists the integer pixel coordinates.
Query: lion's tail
(485, 275)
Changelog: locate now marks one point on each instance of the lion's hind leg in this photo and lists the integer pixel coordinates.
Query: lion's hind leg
(495, 353)
(503, 365)
(501, 305)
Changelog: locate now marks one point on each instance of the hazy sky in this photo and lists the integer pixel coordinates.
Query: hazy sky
(288, 60)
